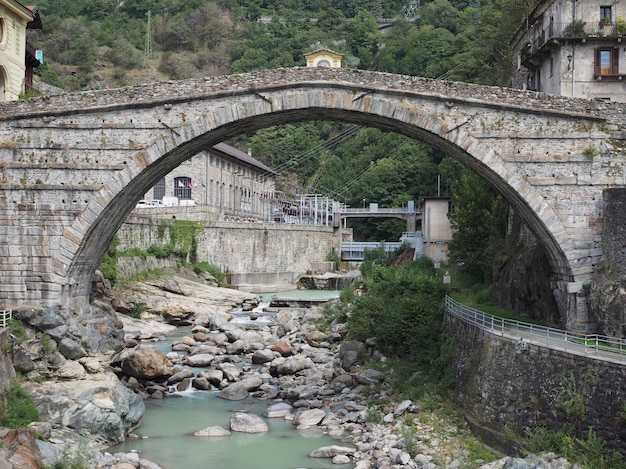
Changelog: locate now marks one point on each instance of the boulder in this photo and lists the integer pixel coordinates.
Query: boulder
(239, 390)
(214, 377)
(180, 375)
(201, 359)
(331, 451)
(19, 449)
(201, 384)
(314, 338)
(262, 356)
(146, 363)
(279, 410)
(370, 377)
(351, 352)
(212, 431)
(101, 406)
(290, 365)
(309, 418)
(247, 423)
(71, 349)
(283, 348)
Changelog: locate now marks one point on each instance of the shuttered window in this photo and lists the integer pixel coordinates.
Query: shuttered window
(606, 61)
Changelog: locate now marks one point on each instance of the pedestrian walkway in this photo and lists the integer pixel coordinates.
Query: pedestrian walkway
(599, 347)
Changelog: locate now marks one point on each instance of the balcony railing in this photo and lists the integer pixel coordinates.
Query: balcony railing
(574, 30)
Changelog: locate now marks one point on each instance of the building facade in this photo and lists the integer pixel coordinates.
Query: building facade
(323, 58)
(436, 228)
(14, 18)
(226, 180)
(573, 48)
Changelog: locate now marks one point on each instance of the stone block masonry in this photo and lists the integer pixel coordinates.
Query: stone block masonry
(614, 229)
(260, 256)
(87, 158)
(505, 388)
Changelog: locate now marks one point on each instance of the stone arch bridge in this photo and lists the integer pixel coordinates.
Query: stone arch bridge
(73, 166)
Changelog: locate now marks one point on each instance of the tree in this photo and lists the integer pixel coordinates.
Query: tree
(479, 220)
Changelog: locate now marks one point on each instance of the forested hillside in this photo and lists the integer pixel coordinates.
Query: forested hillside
(97, 44)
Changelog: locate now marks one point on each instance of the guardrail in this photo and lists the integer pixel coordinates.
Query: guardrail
(5, 316)
(598, 346)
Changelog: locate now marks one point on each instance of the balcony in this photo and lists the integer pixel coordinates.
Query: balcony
(542, 41)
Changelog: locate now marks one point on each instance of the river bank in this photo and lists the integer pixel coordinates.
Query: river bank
(308, 375)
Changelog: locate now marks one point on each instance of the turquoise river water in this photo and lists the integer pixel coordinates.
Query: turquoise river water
(166, 432)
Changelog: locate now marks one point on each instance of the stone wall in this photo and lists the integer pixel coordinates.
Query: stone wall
(505, 388)
(254, 255)
(614, 229)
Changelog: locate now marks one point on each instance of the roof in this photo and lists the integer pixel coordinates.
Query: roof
(328, 51)
(18, 9)
(243, 157)
(36, 22)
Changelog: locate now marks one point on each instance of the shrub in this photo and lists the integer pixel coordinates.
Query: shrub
(17, 410)
(214, 270)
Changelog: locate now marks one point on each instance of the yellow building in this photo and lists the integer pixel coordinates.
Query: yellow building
(14, 18)
(323, 58)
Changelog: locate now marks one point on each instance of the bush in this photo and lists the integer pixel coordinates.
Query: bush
(17, 410)
(403, 311)
(589, 452)
(214, 270)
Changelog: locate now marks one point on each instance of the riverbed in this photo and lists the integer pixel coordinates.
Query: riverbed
(166, 434)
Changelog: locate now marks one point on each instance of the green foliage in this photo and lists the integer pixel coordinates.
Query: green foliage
(16, 408)
(479, 221)
(108, 266)
(161, 252)
(17, 329)
(137, 309)
(212, 269)
(334, 257)
(566, 397)
(590, 452)
(403, 311)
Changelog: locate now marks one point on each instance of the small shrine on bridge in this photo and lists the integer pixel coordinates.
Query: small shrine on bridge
(323, 58)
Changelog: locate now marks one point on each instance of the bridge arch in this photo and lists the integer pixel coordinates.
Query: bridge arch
(135, 136)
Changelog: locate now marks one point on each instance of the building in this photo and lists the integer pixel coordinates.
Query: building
(17, 57)
(225, 180)
(436, 228)
(573, 48)
(323, 58)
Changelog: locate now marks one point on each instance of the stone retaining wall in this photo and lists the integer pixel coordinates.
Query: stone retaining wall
(507, 388)
(252, 254)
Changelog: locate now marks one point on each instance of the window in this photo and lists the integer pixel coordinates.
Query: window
(182, 188)
(159, 189)
(605, 15)
(2, 32)
(606, 61)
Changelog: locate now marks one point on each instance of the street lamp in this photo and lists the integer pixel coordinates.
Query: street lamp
(363, 203)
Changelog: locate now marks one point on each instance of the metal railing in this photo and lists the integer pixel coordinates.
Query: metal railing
(573, 30)
(598, 346)
(5, 316)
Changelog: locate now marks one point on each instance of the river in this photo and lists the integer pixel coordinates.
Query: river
(166, 433)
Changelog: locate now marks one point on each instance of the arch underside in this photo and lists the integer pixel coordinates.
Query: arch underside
(161, 160)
